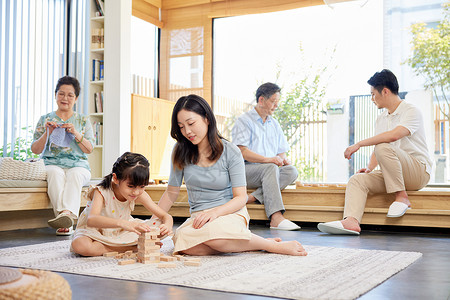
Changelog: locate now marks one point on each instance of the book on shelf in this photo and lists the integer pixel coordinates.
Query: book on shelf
(97, 69)
(98, 132)
(98, 102)
(99, 4)
(97, 38)
(102, 38)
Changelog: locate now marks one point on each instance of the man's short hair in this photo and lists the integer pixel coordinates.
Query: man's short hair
(267, 90)
(384, 79)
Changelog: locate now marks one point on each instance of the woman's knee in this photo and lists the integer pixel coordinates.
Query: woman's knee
(54, 172)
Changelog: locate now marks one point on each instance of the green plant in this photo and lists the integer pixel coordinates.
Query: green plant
(21, 149)
(431, 56)
(300, 104)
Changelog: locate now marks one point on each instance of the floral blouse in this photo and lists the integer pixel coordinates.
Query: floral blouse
(65, 157)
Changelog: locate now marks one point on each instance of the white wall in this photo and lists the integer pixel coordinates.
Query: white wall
(424, 100)
(117, 87)
(337, 142)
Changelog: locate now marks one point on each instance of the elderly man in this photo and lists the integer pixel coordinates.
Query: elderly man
(400, 151)
(264, 146)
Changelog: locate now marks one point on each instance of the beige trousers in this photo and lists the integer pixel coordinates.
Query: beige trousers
(399, 172)
(64, 187)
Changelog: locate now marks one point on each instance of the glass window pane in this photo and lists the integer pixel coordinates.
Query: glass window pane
(322, 58)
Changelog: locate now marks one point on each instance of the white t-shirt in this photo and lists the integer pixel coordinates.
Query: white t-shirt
(408, 116)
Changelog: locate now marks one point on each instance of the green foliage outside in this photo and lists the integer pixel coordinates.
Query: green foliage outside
(431, 57)
(297, 102)
(21, 148)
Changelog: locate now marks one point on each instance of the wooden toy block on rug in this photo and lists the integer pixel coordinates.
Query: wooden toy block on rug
(167, 258)
(148, 249)
(192, 262)
(110, 254)
(179, 257)
(127, 262)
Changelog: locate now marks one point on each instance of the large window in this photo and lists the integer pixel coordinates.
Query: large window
(144, 57)
(322, 57)
(39, 42)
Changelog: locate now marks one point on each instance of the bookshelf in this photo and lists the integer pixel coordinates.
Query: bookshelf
(96, 86)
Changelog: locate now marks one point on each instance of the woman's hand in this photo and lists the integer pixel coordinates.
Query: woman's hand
(203, 218)
(134, 226)
(50, 126)
(364, 170)
(70, 128)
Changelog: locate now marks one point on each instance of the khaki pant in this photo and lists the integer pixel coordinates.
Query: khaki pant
(399, 172)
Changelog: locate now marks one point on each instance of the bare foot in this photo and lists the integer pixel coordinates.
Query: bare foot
(251, 199)
(351, 223)
(289, 248)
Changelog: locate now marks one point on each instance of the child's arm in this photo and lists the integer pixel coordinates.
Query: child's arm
(95, 219)
(166, 219)
(239, 201)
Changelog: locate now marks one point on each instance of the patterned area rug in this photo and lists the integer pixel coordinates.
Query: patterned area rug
(326, 273)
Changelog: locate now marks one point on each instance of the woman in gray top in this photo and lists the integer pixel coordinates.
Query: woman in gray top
(213, 170)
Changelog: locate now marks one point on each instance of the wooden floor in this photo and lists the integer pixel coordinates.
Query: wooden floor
(427, 278)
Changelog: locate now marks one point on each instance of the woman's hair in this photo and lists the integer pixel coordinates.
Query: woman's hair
(185, 152)
(68, 80)
(131, 166)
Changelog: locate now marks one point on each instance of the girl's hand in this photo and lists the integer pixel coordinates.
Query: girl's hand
(203, 218)
(134, 226)
(165, 230)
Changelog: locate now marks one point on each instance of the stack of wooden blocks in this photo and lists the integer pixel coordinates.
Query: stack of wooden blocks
(148, 249)
(149, 252)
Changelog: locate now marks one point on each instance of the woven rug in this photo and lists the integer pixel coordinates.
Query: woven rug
(326, 273)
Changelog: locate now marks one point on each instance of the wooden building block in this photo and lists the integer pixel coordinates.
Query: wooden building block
(120, 255)
(110, 254)
(180, 257)
(129, 252)
(196, 259)
(126, 262)
(167, 265)
(192, 263)
(168, 258)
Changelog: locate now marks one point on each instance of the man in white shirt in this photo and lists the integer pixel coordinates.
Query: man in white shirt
(263, 145)
(400, 152)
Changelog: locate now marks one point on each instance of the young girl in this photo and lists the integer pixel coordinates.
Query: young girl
(106, 224)
(214, 173)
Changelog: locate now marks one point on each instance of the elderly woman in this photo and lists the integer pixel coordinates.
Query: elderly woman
(64, 137)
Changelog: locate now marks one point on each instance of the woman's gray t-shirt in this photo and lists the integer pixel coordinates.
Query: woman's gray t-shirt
(209, 187)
